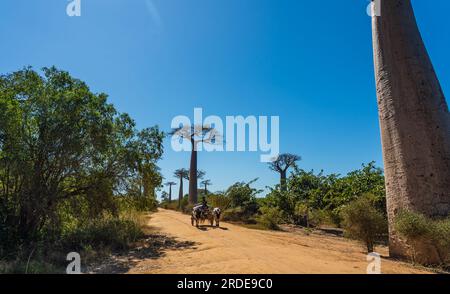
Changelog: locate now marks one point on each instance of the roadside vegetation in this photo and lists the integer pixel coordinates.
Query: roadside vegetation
(419, 230)
(75, 174)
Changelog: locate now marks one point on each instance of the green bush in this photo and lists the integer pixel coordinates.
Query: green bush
(270, 217)
(108, 232)
(188, 208)
(32, 267)
(318, 217)
(220, 201)
(363, 222)
(173, 205)
(418, 230)
(441, 234)
(233, 214)
(412, 226)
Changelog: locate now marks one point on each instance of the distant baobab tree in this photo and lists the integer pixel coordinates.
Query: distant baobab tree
(281, 165)
(414, 122)
(170, 184)
(181, 174)
(196, 134)
(206, 183)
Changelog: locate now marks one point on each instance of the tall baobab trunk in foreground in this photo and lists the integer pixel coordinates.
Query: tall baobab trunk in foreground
(414, 121)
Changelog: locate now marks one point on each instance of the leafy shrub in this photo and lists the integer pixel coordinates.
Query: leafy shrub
(270, 217)
(363, 222)
(335, 217)
(187, 208)
(105, 232)
(31, 267)
(441, 234)
(232, 214)
(318, 217)
(413, 226)
(221, 201)
(418, 230)
(173, 205)
(184, 203)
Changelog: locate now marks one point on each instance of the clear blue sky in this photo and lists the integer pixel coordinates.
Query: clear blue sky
(309, 62)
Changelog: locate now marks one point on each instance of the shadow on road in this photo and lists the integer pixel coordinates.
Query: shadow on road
(152, 247)
(207, 228)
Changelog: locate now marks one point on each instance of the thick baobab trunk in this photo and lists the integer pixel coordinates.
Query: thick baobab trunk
(170, 193)
(193, 176)
(206, 189)
(180, 192)
(414, 121)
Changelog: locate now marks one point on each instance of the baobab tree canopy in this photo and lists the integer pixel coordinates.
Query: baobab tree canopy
(414, 121)
(282, 164)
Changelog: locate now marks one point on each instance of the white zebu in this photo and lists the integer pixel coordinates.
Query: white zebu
(216, 214)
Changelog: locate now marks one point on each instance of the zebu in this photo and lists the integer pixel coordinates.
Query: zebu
(216, 214)
(200, 215)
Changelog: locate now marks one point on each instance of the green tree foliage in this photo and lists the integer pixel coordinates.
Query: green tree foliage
(241, 202)
(368, 179)
(241, 194)
(323, 196)
(65, 153)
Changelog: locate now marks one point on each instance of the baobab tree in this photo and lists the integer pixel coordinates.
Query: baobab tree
(170, 184)
(206, 183)
(414, 122)
(197, 135)
(181, 174)
(281, 166)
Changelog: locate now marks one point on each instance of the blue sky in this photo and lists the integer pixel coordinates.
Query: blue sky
(309, 62)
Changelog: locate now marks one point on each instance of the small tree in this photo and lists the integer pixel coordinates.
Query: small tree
(363, 222)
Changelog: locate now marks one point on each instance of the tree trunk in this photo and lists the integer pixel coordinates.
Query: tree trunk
(206, 190)
(283, 185)
(193, 176)
(414, 122)
(180, 193)
(170, 193)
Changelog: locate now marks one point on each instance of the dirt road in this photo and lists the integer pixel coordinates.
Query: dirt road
(233, 249)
